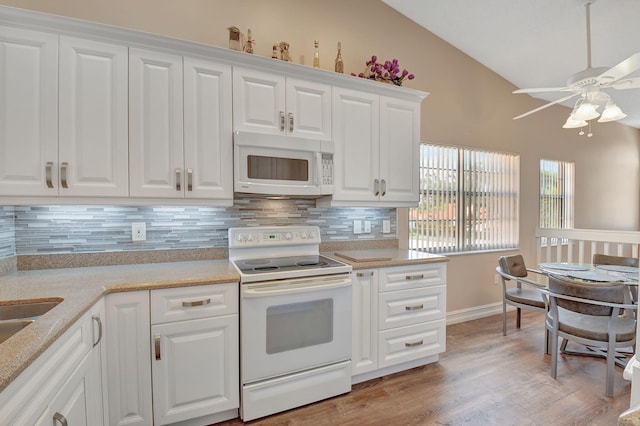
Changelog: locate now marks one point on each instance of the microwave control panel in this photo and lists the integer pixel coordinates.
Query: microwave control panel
(327, 169)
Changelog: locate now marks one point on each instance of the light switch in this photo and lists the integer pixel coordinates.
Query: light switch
(357, 227)
(386, 226)
(367, 226)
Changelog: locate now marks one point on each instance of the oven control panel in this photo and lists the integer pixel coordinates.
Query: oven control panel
(273, 236)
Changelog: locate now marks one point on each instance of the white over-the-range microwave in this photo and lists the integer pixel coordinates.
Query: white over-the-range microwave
(282, 165)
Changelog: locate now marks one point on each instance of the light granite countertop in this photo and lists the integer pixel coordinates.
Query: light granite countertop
(80, 289)
(384, 257)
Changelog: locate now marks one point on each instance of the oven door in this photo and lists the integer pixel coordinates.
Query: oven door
(294, 325)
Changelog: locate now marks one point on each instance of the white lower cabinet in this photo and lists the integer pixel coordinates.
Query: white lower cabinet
(173, 355)
(195, 361)
(64, 385)
(399, 318)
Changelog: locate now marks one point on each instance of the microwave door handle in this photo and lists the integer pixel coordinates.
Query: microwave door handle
(265, 291)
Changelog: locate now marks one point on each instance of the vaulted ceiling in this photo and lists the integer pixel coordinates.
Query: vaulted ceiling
(537, 43)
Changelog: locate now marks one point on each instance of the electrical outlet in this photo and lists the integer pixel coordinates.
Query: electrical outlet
(367, 226)
(357, 227)
(386, 226)
(496, 279)
(138, 231)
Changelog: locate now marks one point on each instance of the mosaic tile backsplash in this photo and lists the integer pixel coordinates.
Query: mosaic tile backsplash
(27, 230)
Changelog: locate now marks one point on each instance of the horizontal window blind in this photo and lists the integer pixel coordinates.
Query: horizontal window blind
(469, 200)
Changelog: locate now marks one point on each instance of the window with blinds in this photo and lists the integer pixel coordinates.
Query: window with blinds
(557, 182)
(468, 200)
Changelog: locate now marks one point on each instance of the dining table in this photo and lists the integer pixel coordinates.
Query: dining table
(593, 273)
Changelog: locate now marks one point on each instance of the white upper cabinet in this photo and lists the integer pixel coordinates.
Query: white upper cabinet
(180, 127)
(376, 141)
(208, 143)
(271, 103)
(28, 112)
(94, 143)
(399, 151)
(155, 124)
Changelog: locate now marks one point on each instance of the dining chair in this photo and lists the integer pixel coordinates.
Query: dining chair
(605, 259)
(517, 289)
(589, 313)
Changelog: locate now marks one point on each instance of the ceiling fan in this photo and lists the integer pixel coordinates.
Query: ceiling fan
(589, 85)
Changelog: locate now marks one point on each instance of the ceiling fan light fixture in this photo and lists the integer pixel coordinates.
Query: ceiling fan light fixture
(586, 111)
(572, 123)
(612, 112)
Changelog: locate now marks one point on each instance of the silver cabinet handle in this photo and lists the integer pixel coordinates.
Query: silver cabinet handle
(282, 121)
(290, 122)
(376, 187)
(414, 308)
(189, 179)
(362, 274)
(156, 341)
(47, 171)
(413, 344)
(178, 180)
(63, 174)
(99, 322)
(384, 187)
(414, 277)
(57, 417)
(197, 303)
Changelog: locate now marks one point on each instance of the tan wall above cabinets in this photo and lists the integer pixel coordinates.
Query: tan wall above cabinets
(138, 118)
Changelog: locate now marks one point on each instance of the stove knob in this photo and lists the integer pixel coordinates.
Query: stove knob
(288, 236)
(303, 235)
(249, 237)
(239, 237)
(312, 235)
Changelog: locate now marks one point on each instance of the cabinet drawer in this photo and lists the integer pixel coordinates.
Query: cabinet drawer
(184, 303)
(413, 276)
(404, 344)
(408, 307)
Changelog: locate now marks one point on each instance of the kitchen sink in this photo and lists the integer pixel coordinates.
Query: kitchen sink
(27, 310)
(9, 328)
(15, 317)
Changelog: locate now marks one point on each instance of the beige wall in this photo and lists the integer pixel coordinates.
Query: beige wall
(468, 104)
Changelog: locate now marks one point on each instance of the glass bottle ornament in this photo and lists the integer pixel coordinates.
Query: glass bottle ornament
(316, 55)
(339, 64)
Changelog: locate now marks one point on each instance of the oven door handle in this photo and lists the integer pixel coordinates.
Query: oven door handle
(294, 287)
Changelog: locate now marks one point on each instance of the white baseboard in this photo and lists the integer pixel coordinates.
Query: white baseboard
(476, 312)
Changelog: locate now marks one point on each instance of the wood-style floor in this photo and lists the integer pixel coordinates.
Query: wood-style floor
(483, 378)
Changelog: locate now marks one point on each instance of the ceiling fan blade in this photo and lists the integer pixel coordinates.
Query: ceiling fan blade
(629, 83)
(544, 89)
(557, 101)
(616, 72)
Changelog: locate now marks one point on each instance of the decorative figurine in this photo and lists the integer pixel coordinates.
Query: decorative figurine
(339, 64)
(316, 55)
(235, 38)
(284, 51)
(274, 53)
(248, 46)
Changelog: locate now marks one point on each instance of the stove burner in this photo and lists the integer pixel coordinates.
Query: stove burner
(304, 263)
(266, 268)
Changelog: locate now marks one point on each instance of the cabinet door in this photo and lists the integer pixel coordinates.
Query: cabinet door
(94, 140)
(357, 139)
(128, 369)
(155, 124)
(207, 130)
(258, 101)
(364, 356)
(195, 368)
(28, 112)
(399, 155)
(76, 403)
(308, 109)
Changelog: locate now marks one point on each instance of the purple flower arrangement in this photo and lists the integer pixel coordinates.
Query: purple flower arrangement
(389, 72)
